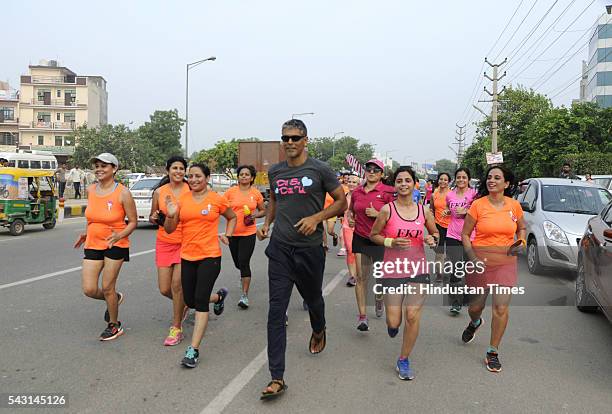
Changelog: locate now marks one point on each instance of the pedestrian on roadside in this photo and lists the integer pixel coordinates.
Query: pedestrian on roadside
(198, 212)
(442, 215)
(352, 182)
(588, 178)
(76, 176)
(366, 202)
(566, 172)
(458, 202)
(400, 229)
(106, 239)
(168, 246)
(60, 175)
(296, 256)
(248, 205)
(498, 219)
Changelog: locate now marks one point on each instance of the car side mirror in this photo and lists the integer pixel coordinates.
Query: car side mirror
(525, 206)
(608, 234)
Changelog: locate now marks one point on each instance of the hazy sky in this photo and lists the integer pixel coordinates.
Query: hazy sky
(399, 74)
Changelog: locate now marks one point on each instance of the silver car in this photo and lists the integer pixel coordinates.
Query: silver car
(142, 191)
(556, 212)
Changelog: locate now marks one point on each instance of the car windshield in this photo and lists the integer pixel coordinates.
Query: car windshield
(145, 184)
(604, 182)
(574, 199)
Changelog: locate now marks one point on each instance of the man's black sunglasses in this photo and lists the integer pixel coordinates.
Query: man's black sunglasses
(294, 138)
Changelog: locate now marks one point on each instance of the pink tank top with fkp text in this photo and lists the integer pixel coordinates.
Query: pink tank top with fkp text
(411, 261)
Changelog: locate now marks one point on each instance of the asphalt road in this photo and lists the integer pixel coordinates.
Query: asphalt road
(555, 358)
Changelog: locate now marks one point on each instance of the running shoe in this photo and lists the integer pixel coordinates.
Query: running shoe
(119, 302)
(335, 239)
(190, 360)
(379, 306)
(455, 309)
(392, 332)
(492, 362)
(111, 332)
(243, 302)
(175, 336)
(185, 314)
(470, 331)
(341, 252)
(220, 305)
(304, 305)
(351, 282)
(286, 320)
(362, 323)
(403, 369)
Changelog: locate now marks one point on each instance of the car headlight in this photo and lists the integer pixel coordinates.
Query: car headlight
(554, 232)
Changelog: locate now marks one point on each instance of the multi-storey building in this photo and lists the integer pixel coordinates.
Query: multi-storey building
(9, 118)
(53, 102)
(598, 72)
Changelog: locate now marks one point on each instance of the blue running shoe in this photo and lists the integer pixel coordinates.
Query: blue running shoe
(403, 369)
(220, 305)
(191, 357)
(392, 331)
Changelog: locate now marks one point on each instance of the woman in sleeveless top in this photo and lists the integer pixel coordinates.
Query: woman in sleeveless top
(400, 227)
(168, 246)
(106, 239)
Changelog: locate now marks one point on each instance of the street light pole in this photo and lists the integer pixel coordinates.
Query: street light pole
(334, 142)
(190, 66)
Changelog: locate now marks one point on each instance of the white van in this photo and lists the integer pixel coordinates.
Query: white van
(38, 160)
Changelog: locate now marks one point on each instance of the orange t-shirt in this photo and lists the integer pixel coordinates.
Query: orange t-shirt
(495, 229)
(439, 202)
(200, 221)
(104, 214)
(176, 236)
(328, 201)
(237, 200)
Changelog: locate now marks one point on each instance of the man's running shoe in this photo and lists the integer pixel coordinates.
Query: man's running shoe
(341, 252)
(470, 331)
(362, 323)
(379, 306)
(403, 369)
(175, 336)
(455, 309)
(351, 282)
(190, 360)
(119, 302)
(111, 332)
(492, 362)
(220, 305)
(243, 302)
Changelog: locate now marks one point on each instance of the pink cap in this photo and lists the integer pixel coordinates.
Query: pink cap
(376, 162)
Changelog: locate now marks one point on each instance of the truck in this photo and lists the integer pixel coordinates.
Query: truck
(262, 155)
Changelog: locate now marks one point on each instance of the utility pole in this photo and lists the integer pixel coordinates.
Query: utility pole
(460, 143)
(494, 99)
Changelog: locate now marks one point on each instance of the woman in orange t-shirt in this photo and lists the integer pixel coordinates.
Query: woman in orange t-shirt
(498, 219)
(248, 205)
(198, 213)
(442, 216)
(106, 239)
(168, 246)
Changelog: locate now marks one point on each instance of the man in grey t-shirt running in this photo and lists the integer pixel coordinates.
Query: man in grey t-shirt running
(296, 256)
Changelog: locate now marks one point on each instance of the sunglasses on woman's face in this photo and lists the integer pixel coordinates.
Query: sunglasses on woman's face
(294, 138)
(373, 170)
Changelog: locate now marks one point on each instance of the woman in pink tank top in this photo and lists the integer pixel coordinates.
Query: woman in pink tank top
(400, 227)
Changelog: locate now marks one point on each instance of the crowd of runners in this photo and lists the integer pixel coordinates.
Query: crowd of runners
(383, 222)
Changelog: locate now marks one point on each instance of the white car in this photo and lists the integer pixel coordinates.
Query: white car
(142, 191)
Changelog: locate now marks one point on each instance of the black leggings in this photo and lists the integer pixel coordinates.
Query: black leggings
(242, 248)
(455, 254)
(198, 279)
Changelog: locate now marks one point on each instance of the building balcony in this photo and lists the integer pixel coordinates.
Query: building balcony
(14, 121)
(54, 80)
(54, 103)
(40, 125)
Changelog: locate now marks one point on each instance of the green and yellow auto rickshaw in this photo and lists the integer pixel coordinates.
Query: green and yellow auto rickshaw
(27, 197)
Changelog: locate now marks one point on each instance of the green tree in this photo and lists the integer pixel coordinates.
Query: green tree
(445, 165)
(133, 153)
(334, 151)
(223, 157)
(163, 133)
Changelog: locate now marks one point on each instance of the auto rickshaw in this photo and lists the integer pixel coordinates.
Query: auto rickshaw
(27, 196)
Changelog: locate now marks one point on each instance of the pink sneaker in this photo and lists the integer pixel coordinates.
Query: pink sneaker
(175, 336)
(342, 252)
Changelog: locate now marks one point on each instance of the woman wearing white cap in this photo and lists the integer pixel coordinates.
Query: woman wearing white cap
(106, 239)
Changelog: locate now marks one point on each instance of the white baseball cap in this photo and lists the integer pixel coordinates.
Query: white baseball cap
(106, 157)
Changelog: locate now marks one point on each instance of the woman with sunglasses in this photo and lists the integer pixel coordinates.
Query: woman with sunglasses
(366, 202)
(458, 202)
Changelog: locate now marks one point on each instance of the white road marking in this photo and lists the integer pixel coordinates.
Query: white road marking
(236, 385)
(59, 273)
(15, 238)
